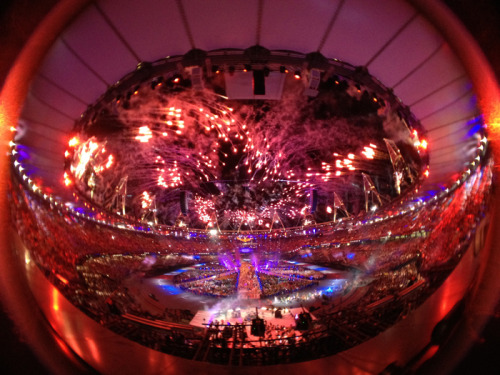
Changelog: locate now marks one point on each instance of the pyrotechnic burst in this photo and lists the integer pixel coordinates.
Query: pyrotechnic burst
(244, 163)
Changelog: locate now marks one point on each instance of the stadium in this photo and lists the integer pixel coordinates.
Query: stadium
(251, 187)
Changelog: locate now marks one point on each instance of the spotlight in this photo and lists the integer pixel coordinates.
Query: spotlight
(215, 69)
(283, 69)
(176, 79)
(156, 82)
(297, 74)
(247, 68)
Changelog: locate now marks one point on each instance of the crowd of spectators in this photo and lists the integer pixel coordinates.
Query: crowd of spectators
(286, 269)
(414, 252)
(200, 272)
(278, 285)
(222, 285)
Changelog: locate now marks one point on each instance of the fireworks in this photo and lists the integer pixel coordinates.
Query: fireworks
(146, 200)
(145, 134)
(73, 142)
(67, 180)
(368, 152)
(243, 163)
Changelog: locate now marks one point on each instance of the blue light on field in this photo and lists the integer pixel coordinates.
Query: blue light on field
(350, 256)
(177, 272)
(316, 268)
(170, 289)
(334, 287)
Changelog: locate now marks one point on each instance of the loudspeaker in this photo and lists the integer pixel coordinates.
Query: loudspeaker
(303, 322)
(259, 82)
(313, 200)
(197, 78)
(184, 202)
(258, 327)
(314, 79)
